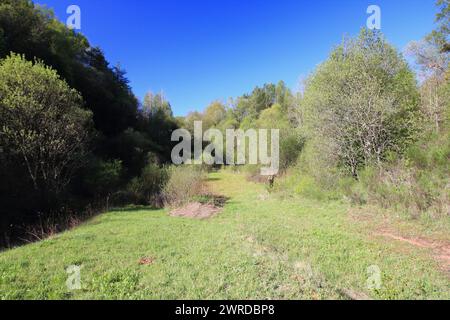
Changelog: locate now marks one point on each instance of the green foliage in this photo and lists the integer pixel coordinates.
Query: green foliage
(43, 128)
(291, 146)
(416, 183)
(273, 118)
(291, 141)
(216, 115)
(58, 125)
(156, 105)
(190, 119)
(158, 130)
(252, 105)
(44, 142)
(445, 92)
(362, 102)
(104, 177)
(213, 115)
(440, 36)
(146, 188)
(34, 31)
(132, 147)
(366, 75)
(268, 107)
(229, 122)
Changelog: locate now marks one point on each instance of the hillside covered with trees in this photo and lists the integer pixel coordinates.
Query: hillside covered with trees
(72, 131)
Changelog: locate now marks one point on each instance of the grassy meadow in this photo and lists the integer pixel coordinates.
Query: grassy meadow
(261, 246)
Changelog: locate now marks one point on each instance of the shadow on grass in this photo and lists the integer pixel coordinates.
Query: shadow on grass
(134, 208)
(218, 201)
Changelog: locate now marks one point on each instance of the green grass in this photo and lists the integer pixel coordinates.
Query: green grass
(262, 246)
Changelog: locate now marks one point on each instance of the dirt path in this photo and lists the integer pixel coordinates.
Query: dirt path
(439, 250)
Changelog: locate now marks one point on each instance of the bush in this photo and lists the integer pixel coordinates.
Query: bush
(184, 183)
(146, 189)
(300, 182)
(404, 187)
(315, 162)
(104, 179)
(291, 146)
(43, 129)
(44, 141)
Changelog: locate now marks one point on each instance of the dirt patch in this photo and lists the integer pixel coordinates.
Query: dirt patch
(381, 225)
(440, 250)
(354, 295)
(196, 210)
(146, 261)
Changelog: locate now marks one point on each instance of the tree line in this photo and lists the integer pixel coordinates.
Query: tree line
(367, 125)
(71, 130)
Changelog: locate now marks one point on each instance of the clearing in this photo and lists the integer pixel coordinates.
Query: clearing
(259, 246)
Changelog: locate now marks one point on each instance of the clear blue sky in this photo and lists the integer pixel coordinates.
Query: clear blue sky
(198, 51)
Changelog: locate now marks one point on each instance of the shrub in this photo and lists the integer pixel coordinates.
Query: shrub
(315, 162)
(146, 188)
(403, 186)
(184, 183)
(300, 182)
(291, 146)
(43, 128)
(104, 178)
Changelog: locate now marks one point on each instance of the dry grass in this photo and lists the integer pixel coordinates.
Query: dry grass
(184, 183)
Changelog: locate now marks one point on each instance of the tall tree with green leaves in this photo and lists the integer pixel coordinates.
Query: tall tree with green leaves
(440, 36)
(214, 114)
(362, 102)
(432, 58)
(43, 127)
(156, 104)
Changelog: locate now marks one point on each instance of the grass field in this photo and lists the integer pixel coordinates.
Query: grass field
(261, 246)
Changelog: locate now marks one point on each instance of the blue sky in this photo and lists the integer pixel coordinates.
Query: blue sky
(198, 51)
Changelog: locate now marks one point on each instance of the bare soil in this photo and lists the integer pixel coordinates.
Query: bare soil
(440, 250)
(196, 210)
(146, 261)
